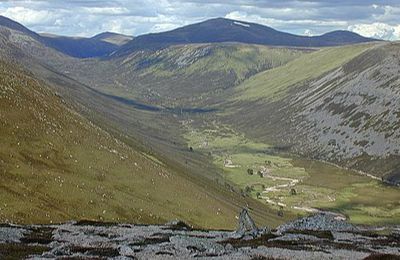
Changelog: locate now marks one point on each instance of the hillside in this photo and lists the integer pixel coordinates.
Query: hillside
(226, 30)
(180, 76)
(224, 125)
(56, 166)
(334, 109)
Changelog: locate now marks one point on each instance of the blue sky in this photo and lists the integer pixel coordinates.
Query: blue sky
(379, 18)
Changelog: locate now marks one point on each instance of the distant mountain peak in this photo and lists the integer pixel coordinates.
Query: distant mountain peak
(227, 30)
(78, 47)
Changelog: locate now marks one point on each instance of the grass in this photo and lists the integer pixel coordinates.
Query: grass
(273, 84)
(56, 166)
(184, 75)
(320, 185)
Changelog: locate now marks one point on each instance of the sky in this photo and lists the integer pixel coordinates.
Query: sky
(371, 18)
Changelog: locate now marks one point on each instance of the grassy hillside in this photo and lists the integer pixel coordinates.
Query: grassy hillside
(184, 75)
(337, 104)
(57, 166)
(274, 83)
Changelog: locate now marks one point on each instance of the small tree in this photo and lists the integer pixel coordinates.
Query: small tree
(260, 174)
(293, 192)
(258, 195)
(250, 171)
(248, 190)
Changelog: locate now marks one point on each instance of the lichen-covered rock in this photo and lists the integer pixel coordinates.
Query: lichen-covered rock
(97, 241)
(246, 223)
(318, 222)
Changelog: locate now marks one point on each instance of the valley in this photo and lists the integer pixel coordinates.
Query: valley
(287, 183)
(196, 129)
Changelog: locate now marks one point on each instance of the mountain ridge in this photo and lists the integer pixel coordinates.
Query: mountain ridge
(227, 30)
(72, 46)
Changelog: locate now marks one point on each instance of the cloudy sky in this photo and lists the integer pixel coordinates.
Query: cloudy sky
(374, 18)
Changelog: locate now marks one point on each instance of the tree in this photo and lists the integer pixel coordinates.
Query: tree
(250, 171)
(293, 192)
(260, 174)
(248, 190)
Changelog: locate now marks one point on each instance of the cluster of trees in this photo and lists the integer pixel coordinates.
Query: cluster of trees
(251, 172)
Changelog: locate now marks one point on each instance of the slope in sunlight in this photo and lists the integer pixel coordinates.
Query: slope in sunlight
(339, 105)
(56, 166)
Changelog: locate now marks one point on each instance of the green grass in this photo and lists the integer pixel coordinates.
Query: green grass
(184, 75)
(56, 166)
(320, 185)
(273, 84)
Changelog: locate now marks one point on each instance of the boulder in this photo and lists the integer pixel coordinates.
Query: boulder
(246, 224)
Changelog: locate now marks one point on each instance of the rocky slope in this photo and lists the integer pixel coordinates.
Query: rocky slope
(348, 115)
(353, 115)
(317, 237)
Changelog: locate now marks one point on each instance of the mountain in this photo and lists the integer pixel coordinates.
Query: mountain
(339, 105)
(97, 46)
(239, 124)
(226, 30)
(84, 147)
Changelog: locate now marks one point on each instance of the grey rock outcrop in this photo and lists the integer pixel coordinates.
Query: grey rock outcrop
(246, 223)
(318, 222)
(97, 241)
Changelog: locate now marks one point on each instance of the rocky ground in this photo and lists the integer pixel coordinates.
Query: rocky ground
(321, 236)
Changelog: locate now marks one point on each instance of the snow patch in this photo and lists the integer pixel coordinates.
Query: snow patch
(242, 24)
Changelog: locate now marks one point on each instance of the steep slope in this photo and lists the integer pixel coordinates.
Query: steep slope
(274, 83)
(56, 166)
(225, 30)
(154, 134)
(72, 46)
(346, 113)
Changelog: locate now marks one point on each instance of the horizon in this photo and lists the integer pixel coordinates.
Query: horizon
(380, 20)
(49, 34)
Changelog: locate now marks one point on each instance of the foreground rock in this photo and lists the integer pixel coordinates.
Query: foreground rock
(301, 239)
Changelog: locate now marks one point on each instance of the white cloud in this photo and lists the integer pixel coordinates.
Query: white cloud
(106, 10)
(380, 18)
(29, 16)
(296, 26)
(377, 30)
